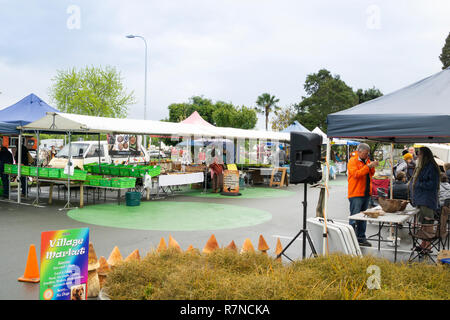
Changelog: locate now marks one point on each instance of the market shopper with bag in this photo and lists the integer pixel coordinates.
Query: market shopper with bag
(360, 173)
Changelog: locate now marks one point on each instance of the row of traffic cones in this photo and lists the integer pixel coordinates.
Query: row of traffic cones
(98, 269)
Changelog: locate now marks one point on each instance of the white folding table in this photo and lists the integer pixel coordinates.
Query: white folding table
(396, 218)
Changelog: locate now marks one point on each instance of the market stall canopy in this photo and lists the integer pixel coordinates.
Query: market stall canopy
(26, 110)
(339, 142)
(64, 122)
(321, 133)
(196, 119)
(297, 127)
(8, 128)
(419, 112)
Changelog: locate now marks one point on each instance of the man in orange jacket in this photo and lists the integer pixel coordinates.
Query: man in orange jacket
(360, 172)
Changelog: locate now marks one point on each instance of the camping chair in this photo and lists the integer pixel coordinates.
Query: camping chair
(435, 233)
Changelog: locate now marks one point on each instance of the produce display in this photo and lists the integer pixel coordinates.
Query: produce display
(125, 174)
(121, 170)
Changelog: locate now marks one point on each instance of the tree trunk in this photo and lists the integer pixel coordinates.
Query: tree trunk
(267, 118)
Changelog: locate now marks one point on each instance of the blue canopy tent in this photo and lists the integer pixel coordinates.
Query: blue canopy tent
(29, 109)
(8, 128)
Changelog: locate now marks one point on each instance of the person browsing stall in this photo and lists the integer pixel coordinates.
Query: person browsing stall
(424, 188)
(5, 158)
(360, 173)
(400, 186)
(407, 166)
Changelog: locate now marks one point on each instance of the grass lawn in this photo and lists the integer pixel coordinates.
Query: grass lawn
(227, 275)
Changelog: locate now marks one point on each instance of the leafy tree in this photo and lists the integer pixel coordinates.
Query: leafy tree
(325, 94)
(180, 111)
(368, 94)
(445, 55)
(93, 91)
(222, 114)
(265, 104)
(235, 117)
(283, 118)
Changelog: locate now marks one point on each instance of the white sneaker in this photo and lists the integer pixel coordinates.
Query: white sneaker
(391, 238)
(392, 244)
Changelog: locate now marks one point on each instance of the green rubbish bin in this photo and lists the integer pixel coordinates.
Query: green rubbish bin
(133, 199)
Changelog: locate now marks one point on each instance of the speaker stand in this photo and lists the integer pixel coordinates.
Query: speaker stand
(303, 231)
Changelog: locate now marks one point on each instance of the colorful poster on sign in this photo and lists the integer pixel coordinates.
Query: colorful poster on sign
(64, 264)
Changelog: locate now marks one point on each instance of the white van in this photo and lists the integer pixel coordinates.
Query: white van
(84, 152)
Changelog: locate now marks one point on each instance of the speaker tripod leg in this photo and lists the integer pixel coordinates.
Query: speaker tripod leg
(304, 230)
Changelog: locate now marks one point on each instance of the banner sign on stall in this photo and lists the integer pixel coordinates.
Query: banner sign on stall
(124, 145)
(64, 264)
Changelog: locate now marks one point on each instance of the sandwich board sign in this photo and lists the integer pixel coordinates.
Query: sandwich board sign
(64, 264)
(231, 182)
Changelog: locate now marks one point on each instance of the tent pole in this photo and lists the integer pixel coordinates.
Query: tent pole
(36, 202)
(392, 172)
(19, 163)
(69, 165)
(99, 150)
(325, 207)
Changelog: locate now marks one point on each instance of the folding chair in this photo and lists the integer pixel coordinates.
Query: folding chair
(445, 225)
(435, 233)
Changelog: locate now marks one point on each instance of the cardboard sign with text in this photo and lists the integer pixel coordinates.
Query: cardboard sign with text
(64, 264)
(231, 181)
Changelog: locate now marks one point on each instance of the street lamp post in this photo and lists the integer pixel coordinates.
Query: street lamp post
(145, 89)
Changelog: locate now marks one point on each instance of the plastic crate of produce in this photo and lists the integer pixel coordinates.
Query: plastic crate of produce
(43, 172)
(115, 170)
(33, 171)
(106, 169)
(154, 171)
(54, 173)
(88, 167)
(25, 170)
(95, 168)
(77, 175)
(135, 171)
(95, 182)
(123, 182)
(7, 168)
(124, 171)
(105, 182)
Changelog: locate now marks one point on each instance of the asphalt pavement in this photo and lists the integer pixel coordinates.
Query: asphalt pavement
(21, 225)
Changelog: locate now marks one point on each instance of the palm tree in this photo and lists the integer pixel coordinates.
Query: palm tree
(265, 104)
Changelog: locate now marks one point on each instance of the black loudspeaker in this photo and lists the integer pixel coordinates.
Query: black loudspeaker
(305, 158)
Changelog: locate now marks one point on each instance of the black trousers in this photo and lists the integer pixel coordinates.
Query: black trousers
(5, 182)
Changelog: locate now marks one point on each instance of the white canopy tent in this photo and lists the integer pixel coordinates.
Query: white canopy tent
(64, 122)
(82, 124)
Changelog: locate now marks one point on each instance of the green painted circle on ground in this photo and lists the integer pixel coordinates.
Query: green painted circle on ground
(246, 193)
(171, 216)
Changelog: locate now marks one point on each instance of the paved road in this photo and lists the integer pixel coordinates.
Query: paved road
(21, 225)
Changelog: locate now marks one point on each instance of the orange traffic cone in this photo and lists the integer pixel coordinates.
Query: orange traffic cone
(32, 269)
(278, 249)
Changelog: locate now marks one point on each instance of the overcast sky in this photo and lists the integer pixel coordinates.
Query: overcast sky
(229, 50)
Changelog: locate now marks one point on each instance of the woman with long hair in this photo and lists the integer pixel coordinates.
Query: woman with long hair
(424, 189)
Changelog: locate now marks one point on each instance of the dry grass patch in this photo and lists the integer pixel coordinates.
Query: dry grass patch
(225, 275)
